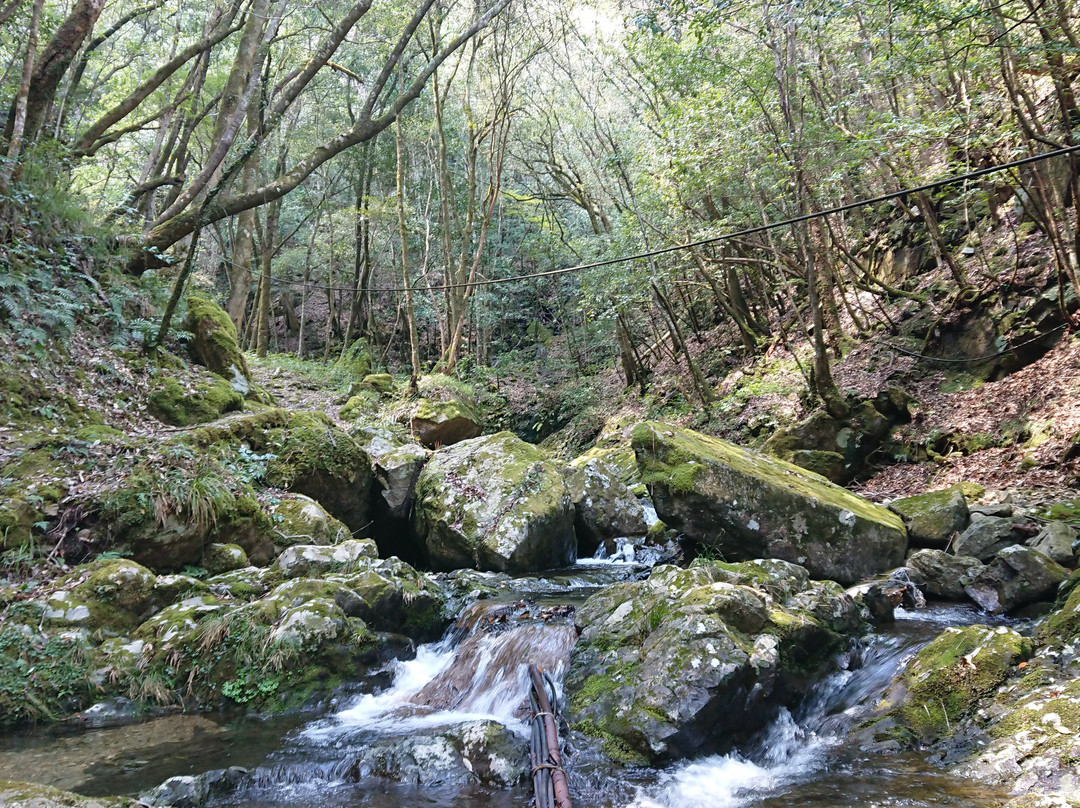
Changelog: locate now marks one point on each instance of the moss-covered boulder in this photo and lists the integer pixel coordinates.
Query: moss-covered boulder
(382, 383)
(699, 659)
(297, 519)
(1057, 540)
(214, 344)
(747, 506)
(31, 795)
(1016, 577)
(177, 405)
(445, 414)
(943, 575)
(106, 595)
(315, 458)
(932, 519)
(298, 641)
(494, 503)
(219, 558)
(17, 519)
(946, 681)
(396, 598)
(604, 507)
(313, 560)
(837, 448)
(357, 360)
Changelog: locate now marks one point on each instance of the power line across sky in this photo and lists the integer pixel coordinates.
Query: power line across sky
(748, 231)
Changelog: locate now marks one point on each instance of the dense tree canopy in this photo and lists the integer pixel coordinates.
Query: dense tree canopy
(364, 170)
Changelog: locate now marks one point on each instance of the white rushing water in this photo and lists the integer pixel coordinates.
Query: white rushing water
(788, 753)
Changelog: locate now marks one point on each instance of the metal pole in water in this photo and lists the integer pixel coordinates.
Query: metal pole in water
(549, 778)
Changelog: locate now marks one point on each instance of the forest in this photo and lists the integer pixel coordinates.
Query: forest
(719, 358)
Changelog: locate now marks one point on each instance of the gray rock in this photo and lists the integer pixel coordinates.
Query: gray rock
(932, 519)
(313, 560)
(999, 509)
(494, 503)
(945, 575)
(1056, 540)
(476, 751)
(751, 506)
(1016, 577)
(396, 472)
(194, 791)
(985, 537)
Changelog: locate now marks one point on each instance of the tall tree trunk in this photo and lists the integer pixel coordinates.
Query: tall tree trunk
(50, 67)
(22, 98)
(410, 318)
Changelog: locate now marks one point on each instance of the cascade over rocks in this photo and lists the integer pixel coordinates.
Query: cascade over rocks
(747, 506)
(700, 658)
(494, 503)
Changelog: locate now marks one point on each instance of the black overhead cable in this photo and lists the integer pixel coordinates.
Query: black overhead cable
(748, 231)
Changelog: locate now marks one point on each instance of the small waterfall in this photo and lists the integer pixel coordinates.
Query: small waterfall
(794, 760)
(478, 673)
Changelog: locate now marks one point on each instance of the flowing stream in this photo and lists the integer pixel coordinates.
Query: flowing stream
(478, 672)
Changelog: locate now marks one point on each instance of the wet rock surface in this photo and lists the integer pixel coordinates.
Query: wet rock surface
(699, 658)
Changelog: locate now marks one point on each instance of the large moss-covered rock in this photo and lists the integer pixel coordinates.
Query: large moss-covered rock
(107, 595)
(214, 344)
(300, 640)
(751, 506)
(396, 598)
(357, 360)
(219, 558)
(698, 659)
(932, 519)
(945, 683)
(315, 458)
(1016, 577)
(445, 414)
(837, 448)
(494, 503)
(604, 507)
(313, 560)
(174, 404)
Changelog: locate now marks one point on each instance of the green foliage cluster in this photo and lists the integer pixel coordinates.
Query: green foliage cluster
(41, 678)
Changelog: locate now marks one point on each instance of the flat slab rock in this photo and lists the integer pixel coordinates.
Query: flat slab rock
(748, 506)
